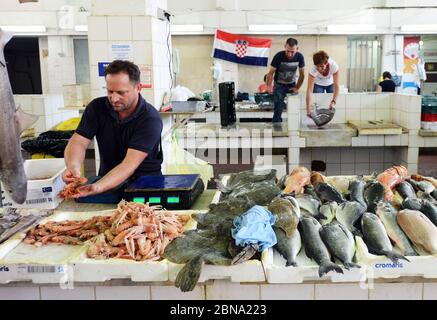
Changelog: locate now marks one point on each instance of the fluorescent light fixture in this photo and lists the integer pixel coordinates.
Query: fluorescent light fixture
(24, 28)
(351, 28)
(272, 27)
(419, 28)
(81, 28)
(186, 28)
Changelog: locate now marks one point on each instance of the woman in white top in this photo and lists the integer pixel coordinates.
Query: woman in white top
(323, 77)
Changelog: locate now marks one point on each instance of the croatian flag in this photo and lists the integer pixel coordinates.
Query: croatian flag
(241, 49)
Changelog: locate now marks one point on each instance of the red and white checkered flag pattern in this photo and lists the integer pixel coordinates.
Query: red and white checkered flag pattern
(241, 48)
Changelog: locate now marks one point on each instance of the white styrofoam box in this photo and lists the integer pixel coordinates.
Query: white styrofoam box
(225, 290)
(396, 291)
(91, 270)
(173, 293)
(378, 267)
(123, 293)
(98, 28)
(77, 293)
(43, 185)
(19, 293)
(353, 101)
(306, 270)
(287, 291)
(343, 291)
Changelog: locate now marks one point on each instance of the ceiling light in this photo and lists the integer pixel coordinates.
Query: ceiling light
(186, 28)
(350, 28)
(24, 28)
(272, 27)
(81, 28)
(419, 28)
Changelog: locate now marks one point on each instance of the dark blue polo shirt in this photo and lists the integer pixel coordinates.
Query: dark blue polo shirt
(141, 131)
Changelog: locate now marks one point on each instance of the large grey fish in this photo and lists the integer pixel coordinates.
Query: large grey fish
(376, 238)
(327, 192)
(388, 215)
(314, 246)
(12, 122)
(356, 190)
(419, 229)
(309, 206)
(340, 243)
(424, 186)
(348, 213)
(373, 193)
(328, 210)
(406, 190)
(288, 247)
(426, 196)
(429, 209)
(412, 204)
(286, 210)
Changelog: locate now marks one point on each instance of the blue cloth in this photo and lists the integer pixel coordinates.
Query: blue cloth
(255, 226)
(323, 89)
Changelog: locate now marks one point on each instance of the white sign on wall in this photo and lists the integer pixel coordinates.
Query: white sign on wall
(121, 52)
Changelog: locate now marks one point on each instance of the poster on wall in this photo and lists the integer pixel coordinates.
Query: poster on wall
(410, 78)
(146, 76)
(121, 52)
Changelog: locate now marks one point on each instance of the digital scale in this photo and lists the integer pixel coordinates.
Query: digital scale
(178, 191)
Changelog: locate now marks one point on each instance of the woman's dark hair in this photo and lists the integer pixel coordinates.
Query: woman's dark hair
(386, 74)
(320, 57)
(119, 66)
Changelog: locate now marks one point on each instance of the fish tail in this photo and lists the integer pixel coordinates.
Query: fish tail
(393, 256)
(291, 263)
(349, 265)
(327, 266)
(188, 276)
(356, 232)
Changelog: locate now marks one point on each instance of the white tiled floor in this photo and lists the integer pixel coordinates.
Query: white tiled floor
(78, 293)
(400, 291)
(123, 293)
(19, 293)
(287, 292)
(340, 292)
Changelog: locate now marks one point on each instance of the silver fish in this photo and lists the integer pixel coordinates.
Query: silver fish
(388, 215)
(12, 122)
(376, 238)
(348, 213)
(340, 243)
(288, 247)
(328, 210)
(315, 247)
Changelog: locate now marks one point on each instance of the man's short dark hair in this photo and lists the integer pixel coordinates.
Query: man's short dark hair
(386, 74)
(291, 42)
(124, 66)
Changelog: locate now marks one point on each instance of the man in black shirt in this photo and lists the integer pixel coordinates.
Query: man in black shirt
(387, 85)
(283, 70)
(127, 129)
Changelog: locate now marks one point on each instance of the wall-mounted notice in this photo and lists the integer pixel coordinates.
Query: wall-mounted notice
(102, 67)
(146, 76)
(121, 52)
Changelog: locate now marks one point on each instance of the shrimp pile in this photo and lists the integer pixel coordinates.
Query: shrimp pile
(70, 189)
(134, 231)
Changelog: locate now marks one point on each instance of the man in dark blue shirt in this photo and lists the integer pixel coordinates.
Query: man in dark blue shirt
(127, 129)
(283, 69)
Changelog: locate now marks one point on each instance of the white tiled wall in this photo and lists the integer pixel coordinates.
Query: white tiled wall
(340, 292)
(357, 160)
(226, 290)
(393, 291)
(287, 292)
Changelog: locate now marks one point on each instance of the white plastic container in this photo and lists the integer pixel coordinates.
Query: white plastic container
(43, 185)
